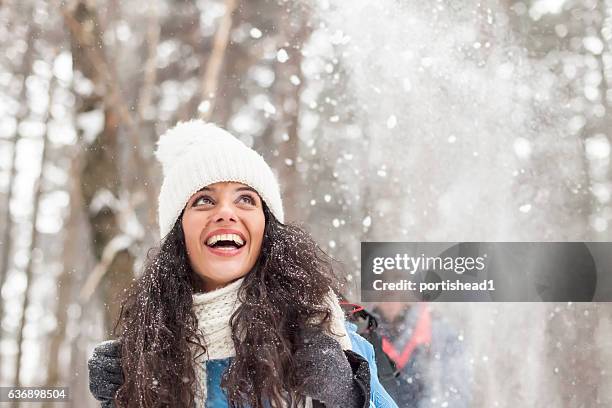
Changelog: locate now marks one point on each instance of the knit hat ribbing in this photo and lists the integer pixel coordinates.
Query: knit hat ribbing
(195, 154)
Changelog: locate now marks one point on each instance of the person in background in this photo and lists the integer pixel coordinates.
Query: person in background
(427, 353)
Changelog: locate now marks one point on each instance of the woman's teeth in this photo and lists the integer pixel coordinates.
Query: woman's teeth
(229, 238)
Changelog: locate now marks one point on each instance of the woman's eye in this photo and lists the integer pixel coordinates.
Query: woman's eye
(247, 199)
(204, 200)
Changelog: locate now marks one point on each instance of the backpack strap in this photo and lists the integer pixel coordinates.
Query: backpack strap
(420, 336)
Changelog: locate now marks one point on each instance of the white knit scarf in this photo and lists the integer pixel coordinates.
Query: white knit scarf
(214, 310)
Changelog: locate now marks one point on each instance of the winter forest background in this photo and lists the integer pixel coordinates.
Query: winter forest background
(386, 120)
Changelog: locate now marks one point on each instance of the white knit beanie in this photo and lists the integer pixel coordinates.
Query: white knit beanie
(195, 154)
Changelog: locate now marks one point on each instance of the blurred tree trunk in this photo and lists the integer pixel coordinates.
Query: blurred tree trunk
(26, 69)
(29, 270)
(8, 227)
(293, 33)
(73, 251)
(100, 172)
(6, 236)
(83, 317)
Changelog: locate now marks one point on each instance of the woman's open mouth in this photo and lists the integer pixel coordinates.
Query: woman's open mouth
(225, 244)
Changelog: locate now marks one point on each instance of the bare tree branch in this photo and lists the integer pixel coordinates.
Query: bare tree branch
(210, 80)
(151, 64)
(112, 248)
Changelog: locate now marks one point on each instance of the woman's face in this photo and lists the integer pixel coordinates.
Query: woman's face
(223, 225)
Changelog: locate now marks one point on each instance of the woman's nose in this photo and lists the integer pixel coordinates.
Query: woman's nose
(225, 212)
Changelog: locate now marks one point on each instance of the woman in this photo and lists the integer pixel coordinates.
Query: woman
(235, 308)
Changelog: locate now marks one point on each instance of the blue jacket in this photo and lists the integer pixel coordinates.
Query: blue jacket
(379, 398)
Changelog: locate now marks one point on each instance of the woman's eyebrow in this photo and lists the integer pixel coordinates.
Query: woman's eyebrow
(246, 188)
(243, 188)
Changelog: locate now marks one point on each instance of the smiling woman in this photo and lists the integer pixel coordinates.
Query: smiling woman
(223, 225)
(235, 308)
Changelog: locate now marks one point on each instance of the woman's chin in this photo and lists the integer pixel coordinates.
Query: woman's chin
(226, 271)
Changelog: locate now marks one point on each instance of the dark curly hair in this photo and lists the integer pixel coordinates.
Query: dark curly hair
(283, 295)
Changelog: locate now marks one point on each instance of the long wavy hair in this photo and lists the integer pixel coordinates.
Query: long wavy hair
(283, 295)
